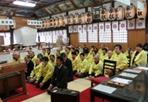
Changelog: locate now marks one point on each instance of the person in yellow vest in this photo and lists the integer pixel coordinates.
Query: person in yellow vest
(83, 66)
(139, 57)
(120, 58)
(109, 55)
(68, 52)
(128, 54)
(16, 57)
(45, 74)
(52, 60)
(44, 52)
(103, 54)
(35, 71)
(100, 51)
(32, 56)
(96, 67)
(75, 61)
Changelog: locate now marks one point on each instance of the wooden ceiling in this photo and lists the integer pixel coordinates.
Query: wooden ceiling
(45, 7)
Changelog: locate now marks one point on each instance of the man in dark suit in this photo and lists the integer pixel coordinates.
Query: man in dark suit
(30, 66)
(68, 64)
(59, 78)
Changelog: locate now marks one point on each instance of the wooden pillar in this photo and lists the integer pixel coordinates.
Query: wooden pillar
(11, 37)
(67, 29)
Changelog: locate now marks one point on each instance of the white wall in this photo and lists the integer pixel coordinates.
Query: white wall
(25, 36)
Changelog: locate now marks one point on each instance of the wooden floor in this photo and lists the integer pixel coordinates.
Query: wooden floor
(78, 85)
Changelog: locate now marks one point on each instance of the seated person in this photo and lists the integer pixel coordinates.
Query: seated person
(120, 58)
(68, 64)
(44, 52)
(103, 54)
(52, 60)
(32, 56)
(16, 57)
(75, 62)
(139, 57)
(59, 78)
(45, 74)
(83, 66)
(109, 55)
(128, 54)
(68, 52)
(30, 66)
(35, 71)
(96, 67)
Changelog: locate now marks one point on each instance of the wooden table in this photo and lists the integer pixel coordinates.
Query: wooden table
(12, 77)
(136, 91)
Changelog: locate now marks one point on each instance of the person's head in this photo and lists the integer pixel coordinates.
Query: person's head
(77, 51)
(96, 59)
(27, 59)
(48, 51)
(139, 47)
(104, 50)
(67, 49)
(92, 47)
(64, 56)
(52, 58)
(82, 56)
(16, 55)
(118, 48)
(74, 55)
(40, 56)
(109, 53)
(59, 60)
(31, 54)
(37, 61)
(45, 61)
(43, 50)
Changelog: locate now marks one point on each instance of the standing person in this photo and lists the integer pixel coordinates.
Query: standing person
(68, 64)
(59, 78)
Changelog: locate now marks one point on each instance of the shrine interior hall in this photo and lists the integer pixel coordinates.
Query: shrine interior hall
(73, 51)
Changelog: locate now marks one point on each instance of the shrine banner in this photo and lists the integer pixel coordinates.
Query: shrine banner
(131, 24)
(115, 26)
(80, 28)
(122, 25)
(95, 27)
(89, 28)
(101, 27)
(140, 23)
(107, 26)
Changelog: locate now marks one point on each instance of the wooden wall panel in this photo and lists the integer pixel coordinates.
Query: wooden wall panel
(20, 22)
(134, 37)
(74, 40)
